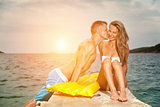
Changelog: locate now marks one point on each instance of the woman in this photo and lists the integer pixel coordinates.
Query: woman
(114, 54)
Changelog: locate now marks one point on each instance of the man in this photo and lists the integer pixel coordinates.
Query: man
(81, 62)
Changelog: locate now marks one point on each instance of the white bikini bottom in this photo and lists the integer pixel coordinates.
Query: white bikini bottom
(112, 58)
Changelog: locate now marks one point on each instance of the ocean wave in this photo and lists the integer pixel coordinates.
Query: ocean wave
(154, 89)
(8, 97)
(26, 77)
(37, 79)
(21, 86)
(4, 80)
(7, 68)
(17, 66)
(2, 84)
(35, 85)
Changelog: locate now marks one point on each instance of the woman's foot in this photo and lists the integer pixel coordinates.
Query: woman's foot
(123, 97)
(115, 96)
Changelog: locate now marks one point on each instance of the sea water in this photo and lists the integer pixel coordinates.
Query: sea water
(22, 76)
(144, 77)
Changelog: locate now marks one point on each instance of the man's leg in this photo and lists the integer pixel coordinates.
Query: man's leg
(30, 103)
(52, 79)
(120, 79)
(43, 94)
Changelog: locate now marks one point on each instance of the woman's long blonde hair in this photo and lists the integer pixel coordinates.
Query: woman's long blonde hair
(122, 39)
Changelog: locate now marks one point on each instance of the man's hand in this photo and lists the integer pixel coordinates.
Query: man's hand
(30, 103)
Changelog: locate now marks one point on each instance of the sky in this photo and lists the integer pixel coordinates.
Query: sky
(44, 26)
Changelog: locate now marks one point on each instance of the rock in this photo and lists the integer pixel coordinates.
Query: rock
(1, 52)
(101, 99)
(152, 49)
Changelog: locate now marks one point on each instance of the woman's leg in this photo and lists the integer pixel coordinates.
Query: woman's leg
(102, 80)
(120, 79)
(109, 77)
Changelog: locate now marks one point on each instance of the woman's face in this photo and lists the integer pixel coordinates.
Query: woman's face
(112, 32)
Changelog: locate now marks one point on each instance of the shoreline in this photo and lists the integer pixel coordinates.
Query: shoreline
(63, 53)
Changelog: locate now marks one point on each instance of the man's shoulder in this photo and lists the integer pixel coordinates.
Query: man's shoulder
(87, 43)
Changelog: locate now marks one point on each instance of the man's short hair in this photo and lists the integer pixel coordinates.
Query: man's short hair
(96, 25)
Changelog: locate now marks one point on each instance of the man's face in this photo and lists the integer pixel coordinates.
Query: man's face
(103, 32)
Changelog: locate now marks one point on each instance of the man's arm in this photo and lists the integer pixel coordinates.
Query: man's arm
(77, 69)
(83, 59)
(100, 49)
(76, 74)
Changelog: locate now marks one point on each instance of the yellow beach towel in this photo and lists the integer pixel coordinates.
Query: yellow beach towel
(86, 85)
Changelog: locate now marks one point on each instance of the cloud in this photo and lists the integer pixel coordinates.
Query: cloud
(45, 18)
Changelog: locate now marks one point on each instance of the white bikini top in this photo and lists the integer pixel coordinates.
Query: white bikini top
(106, 40)
(112, 58)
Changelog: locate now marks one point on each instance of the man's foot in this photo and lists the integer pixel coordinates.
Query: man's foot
(122, 97)
(30, 103)
(115, 96)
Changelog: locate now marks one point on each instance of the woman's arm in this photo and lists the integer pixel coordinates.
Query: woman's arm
(125, 65)
(126, 58)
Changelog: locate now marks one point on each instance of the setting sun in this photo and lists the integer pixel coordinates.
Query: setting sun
(61, 45)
